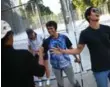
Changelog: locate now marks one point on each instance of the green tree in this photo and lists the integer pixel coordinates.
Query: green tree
(39, 3)
(81, 5)
(108, 4)
(95, 3)
(42, 10)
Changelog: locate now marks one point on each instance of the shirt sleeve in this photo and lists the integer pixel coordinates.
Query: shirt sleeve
(82, 39)
(68, 42)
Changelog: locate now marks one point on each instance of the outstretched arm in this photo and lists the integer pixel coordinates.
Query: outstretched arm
(73, 50)
(77, 59)
(69, 51)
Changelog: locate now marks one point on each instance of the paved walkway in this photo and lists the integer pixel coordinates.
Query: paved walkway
(88, 80)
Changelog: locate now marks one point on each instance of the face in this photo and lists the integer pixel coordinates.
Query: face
(95, 14)
(32, 36)
(51, 30)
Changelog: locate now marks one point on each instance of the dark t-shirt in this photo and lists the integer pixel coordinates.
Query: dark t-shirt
(98, 42)
(19, 67)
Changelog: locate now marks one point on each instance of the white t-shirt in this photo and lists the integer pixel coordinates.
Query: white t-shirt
(36, 44)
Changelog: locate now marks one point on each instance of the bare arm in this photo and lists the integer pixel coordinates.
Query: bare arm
(29, 48)
(41, 51)
(74, 50)
(73, 54)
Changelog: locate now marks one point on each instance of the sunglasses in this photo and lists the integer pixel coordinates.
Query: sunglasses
(95, 10)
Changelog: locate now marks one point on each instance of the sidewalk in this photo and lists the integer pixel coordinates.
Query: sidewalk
(88, 80)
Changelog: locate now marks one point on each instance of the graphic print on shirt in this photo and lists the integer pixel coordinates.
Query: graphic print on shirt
(59, 60)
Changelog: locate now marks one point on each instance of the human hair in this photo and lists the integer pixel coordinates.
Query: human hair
(51, 24)
(29, 32)
(88, 13)
(6, 38)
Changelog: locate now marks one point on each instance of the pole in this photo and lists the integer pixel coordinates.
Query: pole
(39, 13)
(81, 66)
(64, 12)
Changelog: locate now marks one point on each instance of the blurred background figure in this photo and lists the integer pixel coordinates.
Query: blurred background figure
(34, 43)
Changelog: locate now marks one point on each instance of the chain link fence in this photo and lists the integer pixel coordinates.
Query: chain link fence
(19, 17)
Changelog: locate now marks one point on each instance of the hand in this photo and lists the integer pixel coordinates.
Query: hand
(56, 50)
(36, 52)
(77, 60)
(41, 61)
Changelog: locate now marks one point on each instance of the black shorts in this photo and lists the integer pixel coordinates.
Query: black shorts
(45, 57)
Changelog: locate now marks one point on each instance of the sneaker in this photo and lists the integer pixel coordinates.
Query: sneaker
(77, 84)
(48, 82)
(40, 83)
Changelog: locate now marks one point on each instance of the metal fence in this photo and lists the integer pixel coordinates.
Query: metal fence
(19, 18)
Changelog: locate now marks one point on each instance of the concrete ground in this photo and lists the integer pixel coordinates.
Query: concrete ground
(88, 80)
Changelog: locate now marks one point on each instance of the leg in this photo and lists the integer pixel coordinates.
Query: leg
(59, 77)
(47, 72)
(47, 68)
(101, 78)
(39, 78)
(70, 74)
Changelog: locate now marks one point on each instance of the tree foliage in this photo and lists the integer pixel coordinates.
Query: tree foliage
(83, 4)
(79, 4)
(108, 4)
(31, 10)
(31, 6)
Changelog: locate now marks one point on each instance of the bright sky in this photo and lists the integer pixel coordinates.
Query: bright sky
(53, 4)
(24, 1)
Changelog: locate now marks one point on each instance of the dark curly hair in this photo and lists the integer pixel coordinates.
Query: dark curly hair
(51, 23)
(88, 12)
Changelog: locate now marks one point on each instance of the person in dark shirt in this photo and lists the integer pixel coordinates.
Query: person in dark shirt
(17, 66)
(97, 38)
